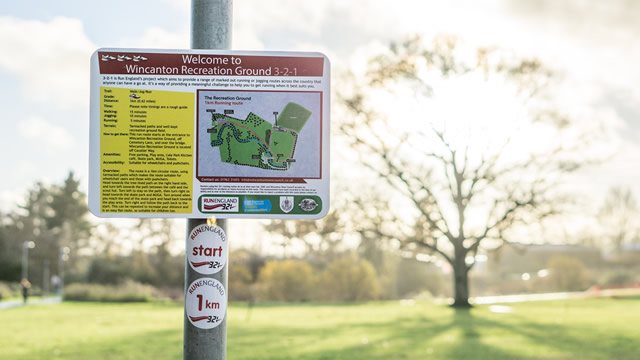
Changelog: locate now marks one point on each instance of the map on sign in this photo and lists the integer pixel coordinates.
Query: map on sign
(256, 142)
(259, 134)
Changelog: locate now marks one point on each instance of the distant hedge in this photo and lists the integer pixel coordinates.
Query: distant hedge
(128, 291)
(8, 290)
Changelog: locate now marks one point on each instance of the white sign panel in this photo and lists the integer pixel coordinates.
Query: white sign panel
(179, 133)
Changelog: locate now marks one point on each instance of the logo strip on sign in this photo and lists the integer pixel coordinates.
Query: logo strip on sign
(273, 204)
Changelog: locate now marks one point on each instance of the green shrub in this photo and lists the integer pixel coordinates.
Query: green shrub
(349, 278)
(129, 291)
(10, 270)
(619, 277)
(7, 291)
(289, 280)
(240, 283)
(414, 277)
(567, 274)
(109, 270)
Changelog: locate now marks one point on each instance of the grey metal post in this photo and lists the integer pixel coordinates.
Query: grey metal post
(45, 278)
(210, 29)
(26, 245)
(62, 257)
(25, 260)
(211, 24)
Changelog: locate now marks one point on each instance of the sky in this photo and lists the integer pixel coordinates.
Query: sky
(45, 47)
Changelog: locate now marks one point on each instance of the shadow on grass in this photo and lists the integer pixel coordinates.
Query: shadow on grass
(578, 342)
(460, 334)
(402, 338)
(160, 344)
(427, 333)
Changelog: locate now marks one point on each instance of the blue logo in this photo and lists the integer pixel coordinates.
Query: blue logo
(254, 206)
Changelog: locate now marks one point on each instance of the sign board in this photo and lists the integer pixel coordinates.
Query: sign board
(199, 133)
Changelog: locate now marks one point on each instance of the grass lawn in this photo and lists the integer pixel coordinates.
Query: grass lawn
(576, 329)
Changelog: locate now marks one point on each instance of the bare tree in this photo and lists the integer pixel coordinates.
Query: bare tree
(320, 239)
(618, 216)
(467, 143)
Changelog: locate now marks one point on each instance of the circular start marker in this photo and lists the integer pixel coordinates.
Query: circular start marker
(207, 249)
(206, 303)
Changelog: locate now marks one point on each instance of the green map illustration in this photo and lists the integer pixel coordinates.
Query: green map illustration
(256, 142)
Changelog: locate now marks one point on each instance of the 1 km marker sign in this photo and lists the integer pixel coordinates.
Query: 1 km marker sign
(206, 303)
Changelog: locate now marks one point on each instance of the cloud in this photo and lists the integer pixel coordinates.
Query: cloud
(44, 133)
(244, 38)
(590, 41)
(22, 174)
(9, 198)
(50, 58)
(182, 5)
(158, 38)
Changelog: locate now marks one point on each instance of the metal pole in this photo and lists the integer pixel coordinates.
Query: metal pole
(45, 279)
(211, 24)
(26, 245)
(210, 29)
(63, 255)
(25, 260)
(61, 272)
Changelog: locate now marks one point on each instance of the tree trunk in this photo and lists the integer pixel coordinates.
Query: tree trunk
(461, 283)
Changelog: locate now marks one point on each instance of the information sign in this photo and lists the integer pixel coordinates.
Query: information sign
(198, 133)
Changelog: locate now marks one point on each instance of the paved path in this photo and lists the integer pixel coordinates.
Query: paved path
(505, 299)
(34, 301)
